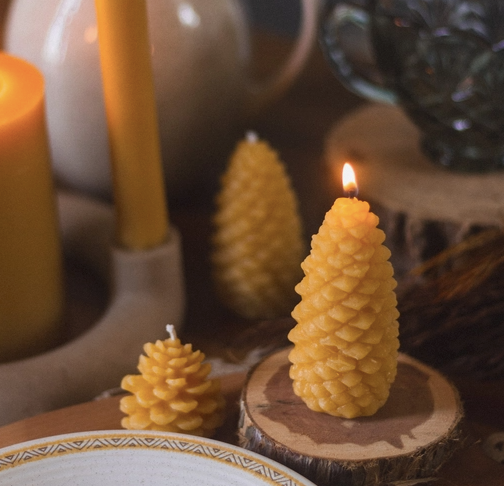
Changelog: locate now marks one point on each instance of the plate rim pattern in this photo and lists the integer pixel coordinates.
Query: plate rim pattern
(67, 444)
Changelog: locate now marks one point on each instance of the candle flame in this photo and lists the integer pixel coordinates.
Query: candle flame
(349, 182)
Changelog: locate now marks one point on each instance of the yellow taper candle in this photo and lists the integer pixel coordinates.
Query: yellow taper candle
(31, 290)
(346, 343)
(140, 201)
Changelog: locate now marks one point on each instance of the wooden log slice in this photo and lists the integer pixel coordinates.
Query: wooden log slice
(423, 208)
(409, 438)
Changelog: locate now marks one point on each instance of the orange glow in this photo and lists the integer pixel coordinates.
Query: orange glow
(349, 183)
(91, 34)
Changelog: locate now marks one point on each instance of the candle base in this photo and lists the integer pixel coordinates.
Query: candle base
(409, 438)
(147, 294)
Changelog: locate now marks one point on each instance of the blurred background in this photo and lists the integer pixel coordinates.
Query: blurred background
(281, 16)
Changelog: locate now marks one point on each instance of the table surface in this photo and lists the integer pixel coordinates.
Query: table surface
(296, 126)
(467, 467)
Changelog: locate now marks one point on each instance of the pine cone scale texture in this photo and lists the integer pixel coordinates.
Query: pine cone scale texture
(173, 392)
(257, 244)
(345, 341)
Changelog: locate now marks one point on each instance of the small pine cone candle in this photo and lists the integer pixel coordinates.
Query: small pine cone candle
(257, 245)
(346, 337)
(172, 393)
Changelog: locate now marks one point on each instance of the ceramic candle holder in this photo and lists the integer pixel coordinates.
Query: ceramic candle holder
(147, 294)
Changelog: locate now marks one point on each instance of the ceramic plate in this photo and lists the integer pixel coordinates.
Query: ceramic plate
(129, 458)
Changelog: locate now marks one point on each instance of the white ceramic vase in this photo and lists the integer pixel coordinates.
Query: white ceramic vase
(201, 55)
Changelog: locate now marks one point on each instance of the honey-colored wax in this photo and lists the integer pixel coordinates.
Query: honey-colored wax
(132, 121)
(346, 343)
(257, 243)
(31, 263)
(173, 392)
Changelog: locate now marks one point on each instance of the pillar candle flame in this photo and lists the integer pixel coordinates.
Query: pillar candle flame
(349, 183)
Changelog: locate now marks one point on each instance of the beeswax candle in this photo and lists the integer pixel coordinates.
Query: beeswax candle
(128, 86)
(31, 289)
(257, 245)
(173, 392)
(346, 337)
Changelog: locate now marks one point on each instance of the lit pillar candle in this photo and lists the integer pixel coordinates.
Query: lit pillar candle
(128, 86)
(344, 358)
(31, 290)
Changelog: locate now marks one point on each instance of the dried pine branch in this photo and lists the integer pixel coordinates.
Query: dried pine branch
(452, 317)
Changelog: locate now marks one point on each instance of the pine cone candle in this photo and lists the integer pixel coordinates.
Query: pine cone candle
(345, 341)
(257, 245)
(172, 393)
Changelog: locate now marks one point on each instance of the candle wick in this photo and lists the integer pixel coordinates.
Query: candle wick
(251, 136)
(170, 328)
(352, 192)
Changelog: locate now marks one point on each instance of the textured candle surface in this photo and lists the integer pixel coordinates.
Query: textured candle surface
(345, 342)
(173, 392)
(257, 245)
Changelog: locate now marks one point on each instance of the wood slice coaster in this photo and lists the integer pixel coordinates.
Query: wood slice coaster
(423, 208)
(409, 438)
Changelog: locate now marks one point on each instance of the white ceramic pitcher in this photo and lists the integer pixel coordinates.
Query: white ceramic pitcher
(201, 55)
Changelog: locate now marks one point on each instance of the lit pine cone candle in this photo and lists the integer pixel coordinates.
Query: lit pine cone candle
(173, 393)
(345, 341)
(257, 244)
(342, 406)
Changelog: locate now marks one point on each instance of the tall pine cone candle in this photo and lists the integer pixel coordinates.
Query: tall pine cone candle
(346, 343)
(257, 244)
(173, 392)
